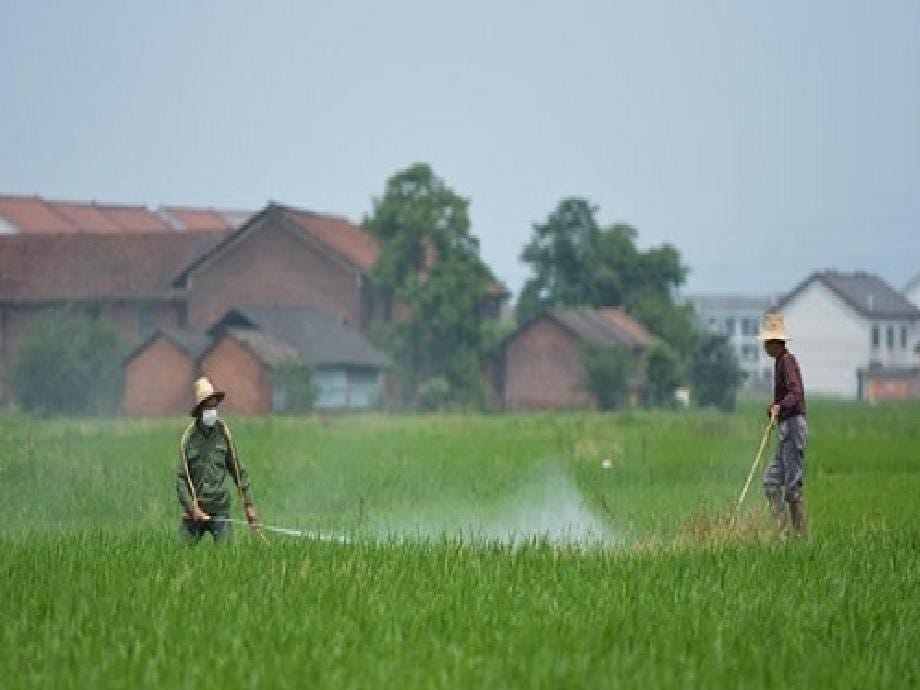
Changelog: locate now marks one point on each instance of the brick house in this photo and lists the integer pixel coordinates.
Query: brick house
(124, 278)
(251, 343)
(178, 271)
(541, 362)
(148, 390)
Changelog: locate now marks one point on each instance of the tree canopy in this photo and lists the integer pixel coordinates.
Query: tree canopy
(69, 363)
(576, 261)
(429, 262)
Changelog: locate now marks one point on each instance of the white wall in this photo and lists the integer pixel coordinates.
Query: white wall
(829, 339)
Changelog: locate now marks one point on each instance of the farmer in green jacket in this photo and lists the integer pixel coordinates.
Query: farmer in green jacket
(207, 459)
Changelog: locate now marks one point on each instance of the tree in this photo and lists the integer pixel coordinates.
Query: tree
(662, 376)
(575, 261)
(295, 390)
(714, 373)
(69, 363)
(429, 262)
(607, 372)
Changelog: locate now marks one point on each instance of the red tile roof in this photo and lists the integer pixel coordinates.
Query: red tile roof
(34, 215)
(83, 216)
(342, 236)
(626, 325)
(31, 214)
(205, 220)
(352, 241)
(134, 219)
(96, 266)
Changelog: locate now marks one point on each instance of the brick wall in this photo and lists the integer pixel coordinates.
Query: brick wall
(232, 368)
(159, 381)
(271, 265)
(543, 370)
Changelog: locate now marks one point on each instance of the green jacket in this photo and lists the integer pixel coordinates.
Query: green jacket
(208, 459)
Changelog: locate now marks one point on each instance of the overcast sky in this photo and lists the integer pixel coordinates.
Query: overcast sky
(763, 139)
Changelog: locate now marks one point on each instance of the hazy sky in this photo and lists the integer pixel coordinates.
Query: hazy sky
(763, 139)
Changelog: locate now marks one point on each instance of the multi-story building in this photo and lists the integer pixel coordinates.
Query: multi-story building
(738, 318)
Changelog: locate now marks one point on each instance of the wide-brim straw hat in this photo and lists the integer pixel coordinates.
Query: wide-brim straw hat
(204, 391)
(774, 328)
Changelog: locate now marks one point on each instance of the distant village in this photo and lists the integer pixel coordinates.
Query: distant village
(236, 295)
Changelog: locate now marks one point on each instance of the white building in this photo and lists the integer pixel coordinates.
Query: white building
(739, 319)
(842, 324)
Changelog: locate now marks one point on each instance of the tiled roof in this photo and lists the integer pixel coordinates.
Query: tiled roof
(204, 220)
(352, 241)
(341, 235)
(630, 331)
(79, 266)
(192, 343)
(269, 350)
(319, 338)
(33, 215)
(866, 293)
(603, 327)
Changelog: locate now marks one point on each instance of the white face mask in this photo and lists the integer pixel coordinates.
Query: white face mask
(209, 416)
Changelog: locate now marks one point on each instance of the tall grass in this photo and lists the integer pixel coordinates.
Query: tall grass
(98, 594)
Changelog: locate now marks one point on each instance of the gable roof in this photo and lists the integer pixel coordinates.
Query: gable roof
(267, 349)
(354, 246)
(319, 338)
(349, 242)
(598, 327)
(84, 266)
(33, 215)
(192, 343)
(865, 293)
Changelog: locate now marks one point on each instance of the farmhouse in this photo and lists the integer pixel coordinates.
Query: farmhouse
(166, 277)
(541, 364)
(849, 329)
(253, 344)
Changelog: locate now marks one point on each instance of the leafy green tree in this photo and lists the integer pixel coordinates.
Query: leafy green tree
(576, 261)
(607, 373)
(662, 376)
(430, 263)
(296, 382)
(69, 363)
(714, 373)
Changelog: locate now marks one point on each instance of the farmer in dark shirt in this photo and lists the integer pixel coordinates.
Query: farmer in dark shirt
(784, 476)
(207, 458)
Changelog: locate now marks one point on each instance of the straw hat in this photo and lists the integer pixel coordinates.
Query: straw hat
(204, 391)
(774, 328)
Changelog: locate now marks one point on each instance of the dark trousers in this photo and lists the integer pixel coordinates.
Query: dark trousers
(191, 531)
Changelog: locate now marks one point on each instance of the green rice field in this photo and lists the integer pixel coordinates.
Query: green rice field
(480, 552)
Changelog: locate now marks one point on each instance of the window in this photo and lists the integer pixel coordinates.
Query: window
(749, 353)
(903, 337)
(730, 326)
(875, 336)
(890, 337)
(749, 327)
